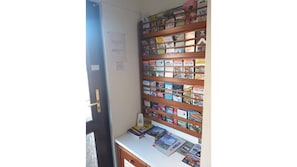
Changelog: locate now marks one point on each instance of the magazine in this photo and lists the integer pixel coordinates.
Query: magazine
(169, 143)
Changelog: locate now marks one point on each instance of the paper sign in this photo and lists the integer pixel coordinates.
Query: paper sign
(117, 46)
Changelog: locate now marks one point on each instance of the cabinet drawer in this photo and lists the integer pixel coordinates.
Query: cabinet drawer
(126, 155)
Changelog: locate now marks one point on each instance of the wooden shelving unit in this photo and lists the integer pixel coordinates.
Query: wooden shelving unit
(183, 81)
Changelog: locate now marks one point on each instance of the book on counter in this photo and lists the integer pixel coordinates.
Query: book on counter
(155, 133)
(192, 158)
(168, 143)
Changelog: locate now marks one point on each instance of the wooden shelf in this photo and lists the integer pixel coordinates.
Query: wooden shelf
(173, 103)
(175, 80)
(176, 30)
(192, 55)
(174, 126)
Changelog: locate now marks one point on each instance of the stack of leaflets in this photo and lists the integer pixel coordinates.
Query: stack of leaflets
(135, 133)
(138, 131)
(168, 143)
(192, 158)
(155, 133)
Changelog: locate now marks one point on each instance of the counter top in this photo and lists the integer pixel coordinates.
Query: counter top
(143, 149)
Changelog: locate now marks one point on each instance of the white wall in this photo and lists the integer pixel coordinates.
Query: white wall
(121, 16)
(123, 84)
(151, 7)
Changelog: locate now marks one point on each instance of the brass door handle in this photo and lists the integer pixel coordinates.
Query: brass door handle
(97, 103)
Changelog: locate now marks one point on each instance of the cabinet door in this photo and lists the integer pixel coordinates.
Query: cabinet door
(127, 159)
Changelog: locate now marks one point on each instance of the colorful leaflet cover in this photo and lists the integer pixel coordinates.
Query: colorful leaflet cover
(152, 64)
(178, 69)
(138, 131)
(168, 143)
(182, 124)
(194, 128)
(170, 110)
(155, 133)
(199, 66)
(190, 41)
(145, 47)
(170, 22)
(195, 116)
(161, 23)
(182, 113)
(160, 63)
(146, 28)
(154, 105)
(180, 19)
(190, 5)
(177, 93)
(168, 62)
(192, 158)
(180, 16)
(160, 89)
(169, 43)
(202, 11)
(143, 129)
(168, 90)
(160, 45)
(189, 68)
(187, 93)
(147, 103)
(169, 68)
(201, 33)
(197, 95)
(146, 87)
(146, 68)
(153, 88)
(162, 107)
(153, 23)
(185, 148)
(201, 3)
(153, 47)
(179, 43)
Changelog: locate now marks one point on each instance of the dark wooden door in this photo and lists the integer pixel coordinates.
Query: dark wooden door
(99, 125)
